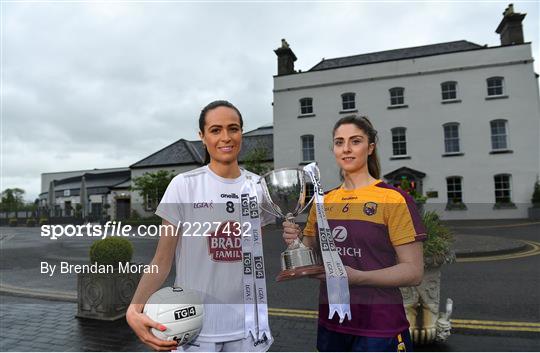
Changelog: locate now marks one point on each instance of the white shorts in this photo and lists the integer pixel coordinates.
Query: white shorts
(242, 345)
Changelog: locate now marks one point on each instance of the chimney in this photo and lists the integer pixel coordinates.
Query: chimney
(510, 28)
(286, 59)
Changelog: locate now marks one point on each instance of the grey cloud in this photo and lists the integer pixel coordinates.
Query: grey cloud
(95, 85)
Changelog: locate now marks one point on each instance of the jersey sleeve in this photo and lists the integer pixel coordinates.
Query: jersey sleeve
(171, 207)
(311, 230)
(403, 220)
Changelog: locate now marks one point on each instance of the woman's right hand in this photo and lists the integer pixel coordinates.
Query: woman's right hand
(291, 232)
(141, 324)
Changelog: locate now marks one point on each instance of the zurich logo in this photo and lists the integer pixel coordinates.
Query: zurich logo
(339, 233)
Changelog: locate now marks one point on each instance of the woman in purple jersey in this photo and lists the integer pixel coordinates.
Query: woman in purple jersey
(377, 232)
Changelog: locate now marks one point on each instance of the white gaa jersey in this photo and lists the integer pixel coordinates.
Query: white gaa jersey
(205, 203)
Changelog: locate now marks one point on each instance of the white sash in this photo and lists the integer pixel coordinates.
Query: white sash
(337, 283)
(255, 298)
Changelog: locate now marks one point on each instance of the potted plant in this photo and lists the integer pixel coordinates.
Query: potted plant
(534, 211)
(418, 198)
(30, 222)
(421, 303)
(105, 291)
(12, 222)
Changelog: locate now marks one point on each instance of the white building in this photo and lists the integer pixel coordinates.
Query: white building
(460, 120)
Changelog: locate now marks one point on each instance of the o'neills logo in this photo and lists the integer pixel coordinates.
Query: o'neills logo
(229, 196)
(223, 246)
(204, 205)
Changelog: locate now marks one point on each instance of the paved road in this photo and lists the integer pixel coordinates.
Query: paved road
(495, 292)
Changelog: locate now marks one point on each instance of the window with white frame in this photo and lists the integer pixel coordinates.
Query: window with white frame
(495, 86)
(397, 96)
(499, 134)
(454, 190)
(348, 101)
(449, 90)
(451, 137)
(503, 192)
(399, 141)
(306, 106)
(308, 148)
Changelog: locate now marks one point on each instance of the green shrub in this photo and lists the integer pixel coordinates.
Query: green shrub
(43, 220)
(153, 220)
(30, 222)
(135, 215)
(438, 243)
(111, 251)
(12, 222)
(536, 195)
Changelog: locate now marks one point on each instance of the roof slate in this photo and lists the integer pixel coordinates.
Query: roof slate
(184, 152)
(396, 54)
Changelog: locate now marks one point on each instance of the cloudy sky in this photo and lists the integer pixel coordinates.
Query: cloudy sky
(105, 84)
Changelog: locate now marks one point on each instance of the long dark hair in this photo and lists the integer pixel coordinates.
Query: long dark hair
(365, 125)
(202, 119)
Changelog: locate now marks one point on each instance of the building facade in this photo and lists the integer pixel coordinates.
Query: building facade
(112, 186)
(459, 120)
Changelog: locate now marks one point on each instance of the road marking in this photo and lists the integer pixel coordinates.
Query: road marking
(488, 325)
(531, 252)
(497, 328)
(495, 227)
(6, 237)
(297, 311)
(499, 323)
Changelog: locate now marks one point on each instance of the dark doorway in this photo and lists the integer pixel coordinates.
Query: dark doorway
(122, 209)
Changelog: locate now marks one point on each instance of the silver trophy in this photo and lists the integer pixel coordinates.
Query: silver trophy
(285, 193)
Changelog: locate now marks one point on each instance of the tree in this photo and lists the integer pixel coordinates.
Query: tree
(536, 194)
(152, 186)
(12, 200)
(254, 161)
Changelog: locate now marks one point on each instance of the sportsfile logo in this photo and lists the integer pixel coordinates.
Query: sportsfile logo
(184, 313)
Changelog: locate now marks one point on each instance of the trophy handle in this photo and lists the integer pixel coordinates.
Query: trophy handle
(308, 203)
(270, 210)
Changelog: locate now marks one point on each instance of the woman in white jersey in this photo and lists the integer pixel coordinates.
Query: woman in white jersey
(211, 264)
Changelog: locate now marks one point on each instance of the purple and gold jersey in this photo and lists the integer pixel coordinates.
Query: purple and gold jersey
(367, 223)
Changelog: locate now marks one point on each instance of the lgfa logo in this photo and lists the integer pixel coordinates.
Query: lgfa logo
(209, 205)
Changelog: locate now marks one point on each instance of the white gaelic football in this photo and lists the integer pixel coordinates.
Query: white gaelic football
(180, 310)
